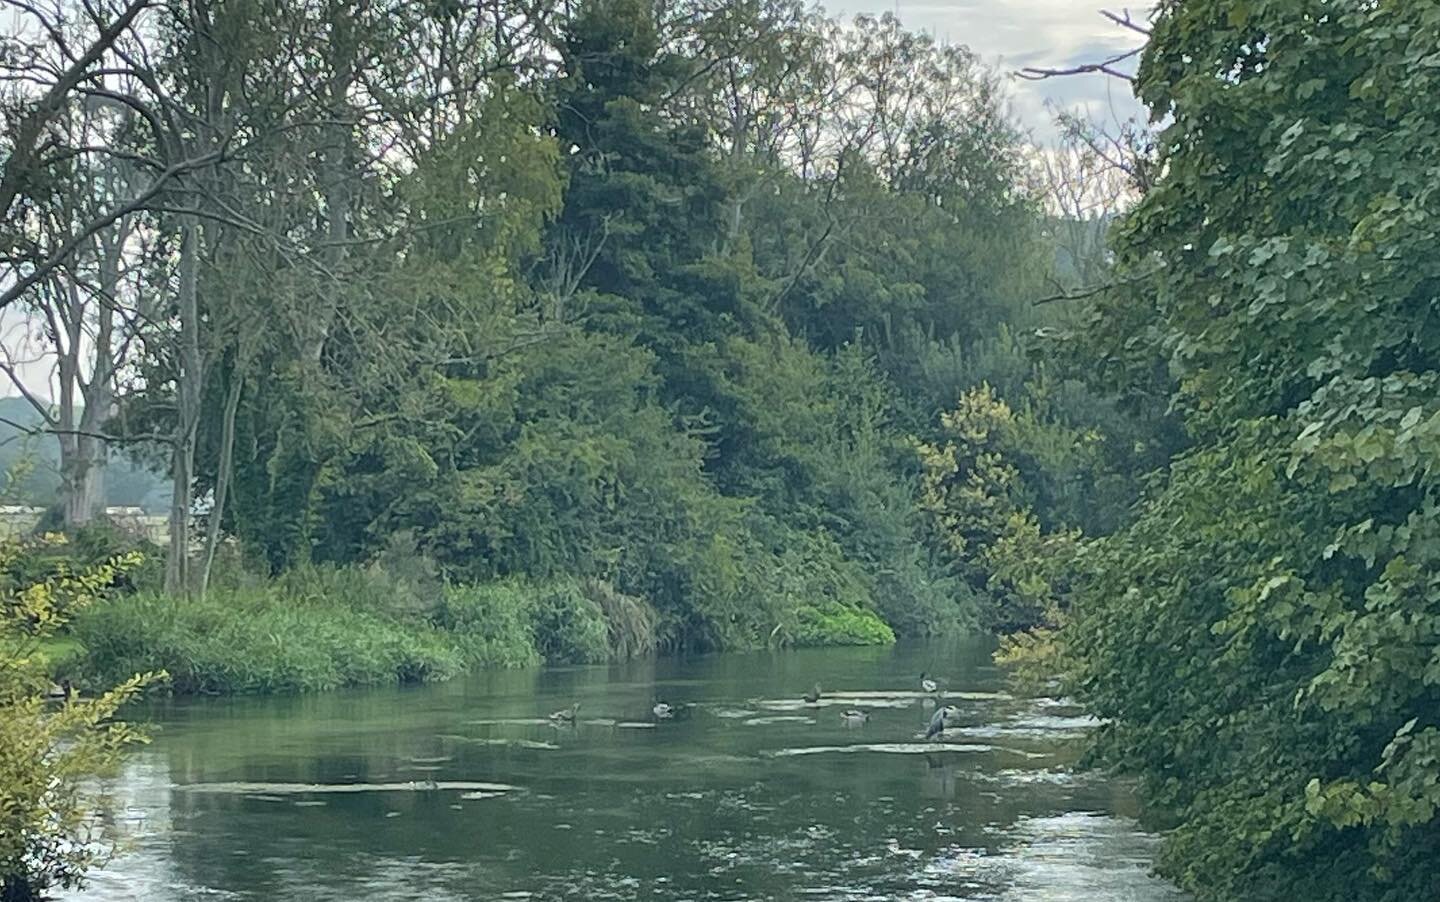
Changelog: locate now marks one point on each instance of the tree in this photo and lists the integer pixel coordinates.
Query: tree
(1268, 626)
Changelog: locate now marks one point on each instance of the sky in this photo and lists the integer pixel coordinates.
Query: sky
(1012, 34)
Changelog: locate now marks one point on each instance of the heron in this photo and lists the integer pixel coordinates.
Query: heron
(939, 721)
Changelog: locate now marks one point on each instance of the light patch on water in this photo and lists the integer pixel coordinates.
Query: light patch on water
(1073, 857)
(517, 743)
(436, 759)
(914, 695)
(512, 722)
(733, 713)
(897, 748)
(635, 725)
(777, 718)
(1082, 856)
(260, 790)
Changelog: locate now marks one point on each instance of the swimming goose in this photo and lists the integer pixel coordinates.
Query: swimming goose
(927, 684)
(566, 715)
(663, 711)
(813, 695)
(853, 717)
(938, 722)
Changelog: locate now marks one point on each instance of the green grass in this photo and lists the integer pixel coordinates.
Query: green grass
(62, 654)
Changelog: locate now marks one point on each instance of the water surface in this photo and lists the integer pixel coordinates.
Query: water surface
(466, 791)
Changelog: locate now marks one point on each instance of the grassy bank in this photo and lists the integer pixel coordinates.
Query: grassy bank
(327, 629)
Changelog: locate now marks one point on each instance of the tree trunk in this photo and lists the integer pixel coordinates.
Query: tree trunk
(188, 385)
(222, 476)
(82, 474)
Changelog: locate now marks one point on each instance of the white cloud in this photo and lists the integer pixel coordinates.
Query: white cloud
(1010, 34)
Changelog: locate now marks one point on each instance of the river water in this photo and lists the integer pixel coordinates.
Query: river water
(466, 791)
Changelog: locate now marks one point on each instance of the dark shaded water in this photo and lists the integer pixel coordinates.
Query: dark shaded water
(756, 796)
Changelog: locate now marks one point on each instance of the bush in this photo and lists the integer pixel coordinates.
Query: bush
(48, 752)
(518, 622)
(836, 624)
(243, 641)
(569, 628)
(490, 624)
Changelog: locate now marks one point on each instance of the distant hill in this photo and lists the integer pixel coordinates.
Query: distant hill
(126, 484)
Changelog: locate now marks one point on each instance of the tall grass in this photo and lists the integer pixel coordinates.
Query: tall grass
(248, 641)
(325, 628)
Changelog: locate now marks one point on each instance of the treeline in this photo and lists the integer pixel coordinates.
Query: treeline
(1263, 641)
(663, 297)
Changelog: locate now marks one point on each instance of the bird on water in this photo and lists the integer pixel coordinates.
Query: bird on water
(927, 684)
(813, 695)
(939, 721)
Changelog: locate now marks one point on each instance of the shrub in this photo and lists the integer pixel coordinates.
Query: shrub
(490, 624)
(835, 624)
(47, 754)
(569, 627)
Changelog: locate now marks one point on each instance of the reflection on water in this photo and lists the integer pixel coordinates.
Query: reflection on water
(468, 791)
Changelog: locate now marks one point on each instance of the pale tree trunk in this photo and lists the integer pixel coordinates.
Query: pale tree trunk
(336, 174)
(222, 475)
(188, 386)
(82, 481)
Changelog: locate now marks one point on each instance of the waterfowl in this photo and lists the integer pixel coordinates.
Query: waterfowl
(813, 695)
(927, 684)
(938, 722)
(61, 692)
(566, 715)
(853, 717)
(663, 711)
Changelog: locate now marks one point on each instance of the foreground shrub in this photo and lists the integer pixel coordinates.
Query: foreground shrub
(244, 641)
(48, 750)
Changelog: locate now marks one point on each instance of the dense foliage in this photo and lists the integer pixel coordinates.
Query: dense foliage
(662, 303)
(1264, 641)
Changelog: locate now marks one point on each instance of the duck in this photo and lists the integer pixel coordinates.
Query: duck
(939, 721)
(927, 684)
(813, 695)
(663, 711)
(853, 717)
(566, 715)
(61, 692)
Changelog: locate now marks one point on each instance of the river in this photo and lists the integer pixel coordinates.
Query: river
(466, 791)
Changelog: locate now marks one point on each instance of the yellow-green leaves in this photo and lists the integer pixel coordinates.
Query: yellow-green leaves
(48, 750)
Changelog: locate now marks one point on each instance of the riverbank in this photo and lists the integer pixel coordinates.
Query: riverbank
(323, 629)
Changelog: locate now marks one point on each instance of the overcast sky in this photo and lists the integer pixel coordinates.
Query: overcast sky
(1011, 34)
